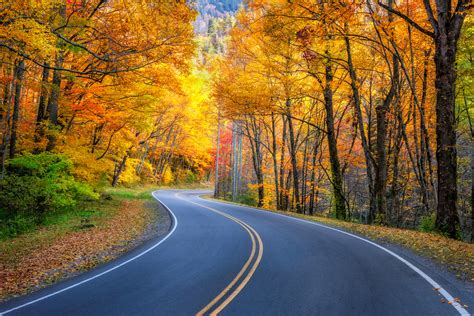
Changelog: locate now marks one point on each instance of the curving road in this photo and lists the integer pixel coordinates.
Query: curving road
(231, 260)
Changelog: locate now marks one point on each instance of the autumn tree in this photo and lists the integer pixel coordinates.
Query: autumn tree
(445, 19)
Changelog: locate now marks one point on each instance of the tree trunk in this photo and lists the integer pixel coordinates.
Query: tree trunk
(119, 168)
(6, 128)
(294, 163)
(283, 191)
(395, 205)
(254, 137)
(381, 170)
(275, 162)
(142, 160)
(236, 157)
(19, 73)
(336, 176)
(304, 173)
(42, 105)
(313, 194)
(380, 184)
(53, 104)
(216, 177)
(160, 160)
(426, 149)
(446, 155)
(363, 138)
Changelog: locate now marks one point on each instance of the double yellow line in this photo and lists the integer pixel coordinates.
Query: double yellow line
(246, 272)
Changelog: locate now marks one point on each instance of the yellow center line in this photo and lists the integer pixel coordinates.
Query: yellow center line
(244, 268)
(247, 278)
(234, 281)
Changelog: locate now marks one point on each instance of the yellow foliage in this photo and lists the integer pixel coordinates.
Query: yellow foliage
(129, 175)
(167, 177)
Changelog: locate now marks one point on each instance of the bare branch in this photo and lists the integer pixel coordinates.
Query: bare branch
(407, 19)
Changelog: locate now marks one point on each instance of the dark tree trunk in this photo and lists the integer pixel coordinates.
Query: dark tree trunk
(422, 163)
(6, 126)
(5, 99)
(275, 162)
(381, 170)
(446, 155)
(286, 198)
(53, 104)
(363, 138)
(395, 205)
(304, 174)
(254, 137)
(294, 163)
(313, 194)
(259, 173)
(261, 190)
(447, 31)
(119, 168)
(43, 99)
(283, 187)
(425, 143)
(41, 115)
(19, 73)
(380, 184)
(336, 176)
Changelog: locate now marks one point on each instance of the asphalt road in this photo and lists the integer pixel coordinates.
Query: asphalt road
(233, 260)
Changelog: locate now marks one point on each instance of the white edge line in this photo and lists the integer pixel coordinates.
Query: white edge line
(175, 224)
(462, 311)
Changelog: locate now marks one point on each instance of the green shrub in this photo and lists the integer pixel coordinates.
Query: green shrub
(35, 186)
(427, 223)
(16, 226)
(248, 198)
(191, 177)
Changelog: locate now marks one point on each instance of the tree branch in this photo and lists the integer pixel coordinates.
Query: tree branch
(407, 19)
(429, 12)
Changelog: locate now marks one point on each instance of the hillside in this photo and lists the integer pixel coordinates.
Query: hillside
(209, 9)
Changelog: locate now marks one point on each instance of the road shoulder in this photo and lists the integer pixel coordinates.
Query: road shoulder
(134, 225)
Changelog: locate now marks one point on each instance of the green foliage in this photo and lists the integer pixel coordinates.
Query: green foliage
(427, 223)
(35, 187)
(190, 177)
(380, 219)
(16, 226)
(248, 198)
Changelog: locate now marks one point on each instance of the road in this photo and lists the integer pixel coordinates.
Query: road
(231, 260)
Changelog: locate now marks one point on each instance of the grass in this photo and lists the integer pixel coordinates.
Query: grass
(456, 255)
(135, 193)
(74, 241)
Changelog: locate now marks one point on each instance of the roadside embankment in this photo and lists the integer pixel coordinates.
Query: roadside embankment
(119, 221)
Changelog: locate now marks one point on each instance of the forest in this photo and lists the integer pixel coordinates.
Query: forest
(96, 94)
(356, 110)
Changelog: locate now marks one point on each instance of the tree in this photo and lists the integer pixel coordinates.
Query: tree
(446, 22)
